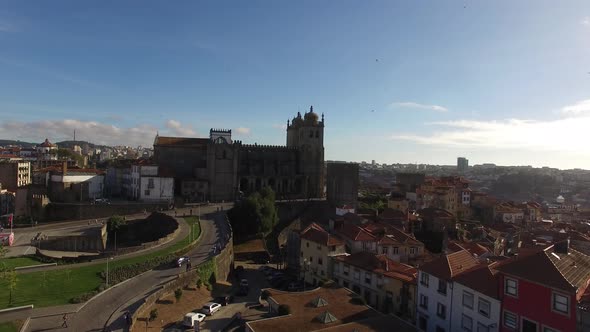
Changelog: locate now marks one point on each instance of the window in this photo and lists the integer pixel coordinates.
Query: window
(509, 319)
(482, 328)
(441, 310)
(150, 183)
(468, 300)
(483, 306)
(466, 323)
(346, 270)
(442, 286)
(395, 250)
(424, 301)
(560, 303)
(412, 250)
(307, 244)
(302, 254)
(511, 287)
(423, 279)
(320, 261)
(147, 192)
(385, 250)
(368, 278)
(357, 274)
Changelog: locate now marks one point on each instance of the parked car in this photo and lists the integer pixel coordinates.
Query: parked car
(210, 308)
(244, 283)
(224, 300)
(182, 260)
(294, 286)
(191, 318)
(274, 275)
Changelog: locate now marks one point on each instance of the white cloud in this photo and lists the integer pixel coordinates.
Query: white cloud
(585, 21)
(580, 107)
(90, 131)
(242, 131)
(177, 129)
(280, 126)
(567, 134)
(411, 104)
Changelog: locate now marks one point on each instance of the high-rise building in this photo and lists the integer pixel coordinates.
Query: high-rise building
(462, 164)
(15, 174)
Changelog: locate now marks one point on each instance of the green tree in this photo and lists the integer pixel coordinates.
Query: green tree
(256, 213)
(114, 223)
(10, 276)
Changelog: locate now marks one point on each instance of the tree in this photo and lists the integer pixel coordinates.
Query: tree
(114, 223)
(11, 278)
(153, 315)
(255, 214)
(178, 294)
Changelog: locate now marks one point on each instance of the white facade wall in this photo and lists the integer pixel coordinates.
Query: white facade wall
(95, 182)
(480, 322)
(434, 297)
(369, 285)
(465, 197)
(156, 189)
(148, 170)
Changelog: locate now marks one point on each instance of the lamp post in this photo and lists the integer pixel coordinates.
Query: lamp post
(108, 259)
(305, 267)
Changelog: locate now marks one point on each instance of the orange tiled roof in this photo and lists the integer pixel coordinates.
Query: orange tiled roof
(355, 233)
(315, 233)
(380, 264)
(448, 266)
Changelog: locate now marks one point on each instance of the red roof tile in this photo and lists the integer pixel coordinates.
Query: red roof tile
(380, 264)
(315, 233)
(448, 266)
(355, 233)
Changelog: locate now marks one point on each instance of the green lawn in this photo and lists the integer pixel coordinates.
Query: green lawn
(57, 287)
(13, 262)
(10, 326)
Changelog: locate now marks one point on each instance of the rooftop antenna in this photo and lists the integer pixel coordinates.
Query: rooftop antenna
(74, 135)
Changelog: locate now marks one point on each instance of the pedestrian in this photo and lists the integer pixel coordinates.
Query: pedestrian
(65, 321)
(191, 212)
(175, 213)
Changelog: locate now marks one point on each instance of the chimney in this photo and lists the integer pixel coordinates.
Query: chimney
(64, 168)
(562, 247)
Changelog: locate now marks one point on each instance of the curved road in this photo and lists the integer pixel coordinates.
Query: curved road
(110, 305)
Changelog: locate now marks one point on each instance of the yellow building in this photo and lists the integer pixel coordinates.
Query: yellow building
(316, 246)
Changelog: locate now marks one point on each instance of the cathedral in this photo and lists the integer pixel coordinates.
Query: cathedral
(221, 169)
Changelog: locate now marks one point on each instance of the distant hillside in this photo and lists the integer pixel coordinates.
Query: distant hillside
(5, 142)
(70, 144)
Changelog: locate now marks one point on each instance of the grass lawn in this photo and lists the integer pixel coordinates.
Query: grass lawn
(12, 262)
(10, 326)
(57, 287)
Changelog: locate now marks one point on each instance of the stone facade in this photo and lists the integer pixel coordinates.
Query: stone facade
(342, 183)
(218, 168)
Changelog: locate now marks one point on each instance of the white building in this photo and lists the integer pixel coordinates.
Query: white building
(435, 291)
(475, 300)
(46, 150)
(147, 184)
(316, 246)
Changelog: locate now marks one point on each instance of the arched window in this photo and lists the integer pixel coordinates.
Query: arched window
(317, 134)
(311, 134)
(224, 154)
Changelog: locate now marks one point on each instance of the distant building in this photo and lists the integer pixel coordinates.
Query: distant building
(342, 184)
(46, 150)
(316, 246)
(15, 174)
(148, 183)
(75, 185)
(462, 164)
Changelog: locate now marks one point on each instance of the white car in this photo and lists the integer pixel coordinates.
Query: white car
(210, 308)
(191, 318)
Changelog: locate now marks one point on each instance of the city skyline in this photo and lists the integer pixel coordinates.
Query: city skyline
(397, 82)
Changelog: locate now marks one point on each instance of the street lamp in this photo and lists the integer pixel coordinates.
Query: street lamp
(305, 266)
(108, 259)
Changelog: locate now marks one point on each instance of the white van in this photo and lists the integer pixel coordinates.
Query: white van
(191, 318)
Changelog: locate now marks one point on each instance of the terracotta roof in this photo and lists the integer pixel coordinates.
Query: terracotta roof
(390, 213)
(474, 248)
(569, 272)
(355, 233)
(481, 278)
(46, 144)
(394, 235)
(303, 316)
(315, 233)
(380, 264)
(448, 266)
(375, 324)
(180, 141)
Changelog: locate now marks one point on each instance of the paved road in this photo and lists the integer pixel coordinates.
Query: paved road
(110, 306)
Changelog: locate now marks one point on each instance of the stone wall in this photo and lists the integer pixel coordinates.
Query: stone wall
(64, 211)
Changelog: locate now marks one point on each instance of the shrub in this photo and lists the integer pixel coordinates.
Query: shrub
(153, 315)
(208, 286)
(199, 283)
(284, 309)
(83, 297)
(178, 294)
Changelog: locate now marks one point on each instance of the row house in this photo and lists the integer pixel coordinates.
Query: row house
(316, 245)
(385, 284)
(544, 291)
(15, 174)
(381, 238)
(508, 213)
(435, 290)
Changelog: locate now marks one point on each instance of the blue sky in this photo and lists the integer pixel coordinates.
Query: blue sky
(399, 81)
